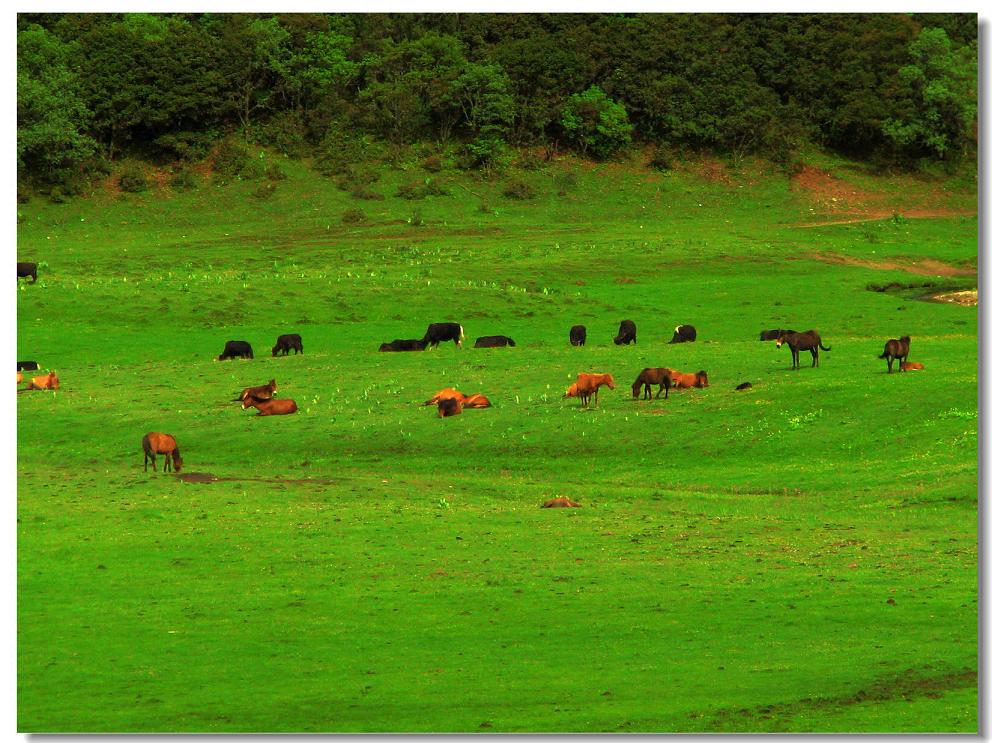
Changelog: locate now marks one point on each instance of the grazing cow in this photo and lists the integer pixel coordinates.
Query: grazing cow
(773, 335)
(262, 392)
(161, 443)
(27, 269)
(743, 386)
(587, 385)
(659, 376)
(443, 331)
(577, 335)
(682, 381)
(48, 382)
(448, 406)
(404, 344)
(27, 366)
(684, 334)
(910, 366)
(270, 406)
(286, 342)
(236, 349)
(808, 341)
(494, 341)
(627, 334)
(896, 349)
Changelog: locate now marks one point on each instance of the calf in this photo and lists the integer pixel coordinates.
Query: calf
(404, 344)
(659, 376)
(494, 341)
(27, 269)
(48, 382)
(285, 343)
(577, 335)
(236, 349)
(438, 332)
(27, 366)
(627, 333)
(684, 334)
(896, 349)
(910, 366)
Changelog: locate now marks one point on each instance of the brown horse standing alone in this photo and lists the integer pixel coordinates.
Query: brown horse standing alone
(270, 406)
(808, 341)
(896, 349)
(161, 443)
(587, 385)
(659, 376)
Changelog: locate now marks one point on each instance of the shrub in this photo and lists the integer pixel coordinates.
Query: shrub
(353, 176)
(275, 172)
(432, 164)
(518, 189)
(187, 146)
(361, 191)
(353, 216)
(416, 190)
(529, 160)
(264, 191)
(565, 181)
(416, 219)
(233, 162)
(663, 157)
(286, 133)
(132, 180)
(184, 180)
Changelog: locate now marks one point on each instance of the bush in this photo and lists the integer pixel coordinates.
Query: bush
(264, 191)
(517, 189)
(529, 160)
(360, 191)
(432, 164)
(275, 172)
(286, 133)
(339, 150)
(416, 190)
(353, 176)
(186, 146)
(353, 216)
(184, 180)
(132, 180)
(416, 219)
(565, 181)
(663, 157)
(233, 162)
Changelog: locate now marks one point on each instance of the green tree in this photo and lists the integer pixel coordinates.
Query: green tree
(595, 124)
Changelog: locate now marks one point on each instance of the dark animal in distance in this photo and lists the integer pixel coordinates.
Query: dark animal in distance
(807, 341)
(263, 391)
(27, 365)
(587, 385)
(627, 333)
(773, 335)
(404, 344)
(438, 332)
(684, 334)
(649, 376)
(236, 349)
(27, 269)
(161, 443)
(285, 343)
(270, 406)
(896, 349)
(494, 341)
(743, 386)
(681, 380)
(48, 382)
(577, 335)
(910, 366)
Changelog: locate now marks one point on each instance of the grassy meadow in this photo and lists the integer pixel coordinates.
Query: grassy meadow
(798, 557)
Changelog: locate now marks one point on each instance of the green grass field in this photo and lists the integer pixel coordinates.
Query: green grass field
(798, 557)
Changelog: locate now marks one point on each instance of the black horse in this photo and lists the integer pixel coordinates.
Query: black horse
(808, 341)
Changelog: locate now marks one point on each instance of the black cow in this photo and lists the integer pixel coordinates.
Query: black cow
(404, 344)
(236, 349)
(443, 331)
(27, 269)
(577, 335)
(27, 365)
(493, 341)
(684, 334)
(773, 335)
(286, 342)
(627, 334)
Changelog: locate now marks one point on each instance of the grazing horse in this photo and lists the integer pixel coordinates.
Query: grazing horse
(48, 382)
(577, 335)
(896, 349)
(270, 406)
(910, 366)
(262, 392)
(808, 341)
(27, 269)
(681, 380)
(660, 376)
(284, 343)
(161, 443)
(587, 385)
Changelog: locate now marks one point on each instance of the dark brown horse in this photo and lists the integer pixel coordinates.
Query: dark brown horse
(161, 443)
(896, 349)
(808, 341)
(263, 391)
(270, 406)
(660, 376)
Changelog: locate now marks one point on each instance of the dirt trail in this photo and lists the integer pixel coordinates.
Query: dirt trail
(204, 477)
(887, 214)
(921, 266)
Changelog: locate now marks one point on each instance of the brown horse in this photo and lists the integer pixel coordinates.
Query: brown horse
(444, 394)
(262, 392)
(270, 406)
(20, 377)
(807, 341)
(587, 385)
(660, 376)
(161, 443)
(477, 400)
(910, 366)
(681, 380)
(448, 406)
(896, 349)
(48, 382)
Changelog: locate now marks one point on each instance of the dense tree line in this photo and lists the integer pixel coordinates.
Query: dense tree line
(893, 88)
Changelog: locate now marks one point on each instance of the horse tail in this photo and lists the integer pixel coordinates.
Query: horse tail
(822, 346)
(884, 355)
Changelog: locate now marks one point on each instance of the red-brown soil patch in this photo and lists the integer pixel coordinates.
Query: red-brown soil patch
(922, 266)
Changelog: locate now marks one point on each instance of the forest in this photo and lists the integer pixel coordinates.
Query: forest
(895, 90)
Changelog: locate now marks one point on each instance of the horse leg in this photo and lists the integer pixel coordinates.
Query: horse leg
(889, 359)
(168, 463)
